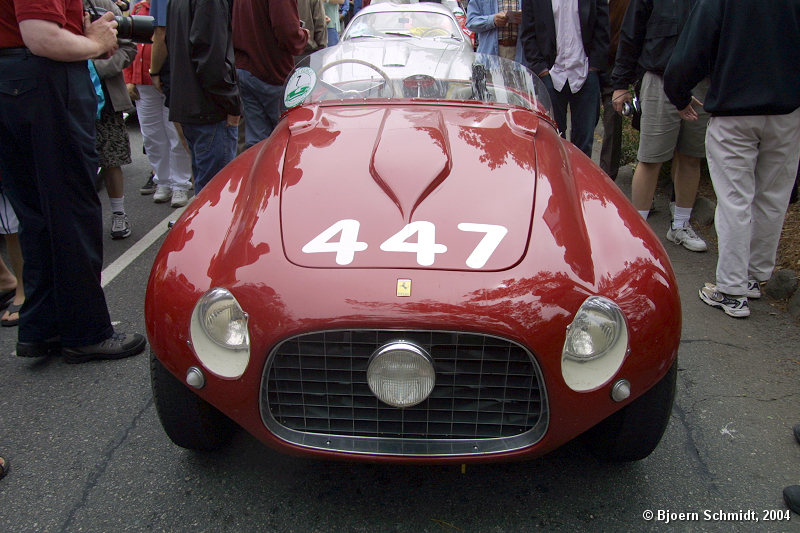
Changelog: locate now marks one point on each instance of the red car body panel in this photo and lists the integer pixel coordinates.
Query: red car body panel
(571, 234)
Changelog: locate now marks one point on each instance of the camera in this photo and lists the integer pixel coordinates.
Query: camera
(137, 28)
(631, 108)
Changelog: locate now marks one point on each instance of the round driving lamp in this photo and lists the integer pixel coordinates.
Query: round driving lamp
(401, 374)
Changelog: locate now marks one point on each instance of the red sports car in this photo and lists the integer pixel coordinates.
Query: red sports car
(414, 267)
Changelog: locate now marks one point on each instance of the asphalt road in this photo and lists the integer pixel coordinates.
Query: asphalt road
(88, 453)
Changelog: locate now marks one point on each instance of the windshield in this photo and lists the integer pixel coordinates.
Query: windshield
(411, 24)
(388, 70)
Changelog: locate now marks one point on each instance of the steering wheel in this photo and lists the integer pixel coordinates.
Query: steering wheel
(354, 93)
(435, 32)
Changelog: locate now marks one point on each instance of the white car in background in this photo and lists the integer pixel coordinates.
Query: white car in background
(455, 6)
(432, 23)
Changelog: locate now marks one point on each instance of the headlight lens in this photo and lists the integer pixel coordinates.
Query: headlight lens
(596, 329)
(401, 374)
(223, 320)
(595, 344)
(219, 333)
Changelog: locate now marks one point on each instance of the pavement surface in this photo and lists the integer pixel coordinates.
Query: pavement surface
(88, 454)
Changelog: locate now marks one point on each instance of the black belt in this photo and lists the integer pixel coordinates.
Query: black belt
(15, 52)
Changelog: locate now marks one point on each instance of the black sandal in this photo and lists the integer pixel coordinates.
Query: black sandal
(11, 309)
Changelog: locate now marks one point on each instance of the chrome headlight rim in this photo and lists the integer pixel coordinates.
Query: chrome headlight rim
(417, 352)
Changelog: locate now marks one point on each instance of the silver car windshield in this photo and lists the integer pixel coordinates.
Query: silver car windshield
(387, 70)
(410, 24)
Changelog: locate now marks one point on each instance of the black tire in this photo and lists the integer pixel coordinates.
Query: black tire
(188, 420)
(632, 433)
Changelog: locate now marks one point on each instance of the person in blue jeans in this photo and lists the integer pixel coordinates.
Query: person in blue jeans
(266, 37)
(332, 11)
(206, 102)
(566, 45)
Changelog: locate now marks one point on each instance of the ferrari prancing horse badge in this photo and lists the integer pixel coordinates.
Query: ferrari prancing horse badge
(404, 287)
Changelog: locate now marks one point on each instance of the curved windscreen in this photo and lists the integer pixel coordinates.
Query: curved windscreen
(388, 70)
(409, 24)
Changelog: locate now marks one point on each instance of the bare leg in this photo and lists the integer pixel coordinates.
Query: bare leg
(686, 178)
(113, 178)
(15, 257)
(643, 188)
(7, 280)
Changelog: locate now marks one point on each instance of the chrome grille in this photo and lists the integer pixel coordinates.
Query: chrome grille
(489, 395)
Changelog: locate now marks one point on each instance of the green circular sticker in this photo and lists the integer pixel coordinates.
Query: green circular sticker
(299, 86)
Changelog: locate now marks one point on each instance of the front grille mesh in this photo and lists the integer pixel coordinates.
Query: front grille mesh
(486, 388)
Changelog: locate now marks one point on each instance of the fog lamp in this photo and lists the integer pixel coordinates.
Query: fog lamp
(401, 374)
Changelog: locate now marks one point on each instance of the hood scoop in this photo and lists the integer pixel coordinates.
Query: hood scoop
(423, 169)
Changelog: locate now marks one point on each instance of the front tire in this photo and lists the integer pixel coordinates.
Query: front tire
(188, 420)
(632, 433)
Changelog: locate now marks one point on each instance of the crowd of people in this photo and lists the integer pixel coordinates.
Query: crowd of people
(717, 80)
(690, 64)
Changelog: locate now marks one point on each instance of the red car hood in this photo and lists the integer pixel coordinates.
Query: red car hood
(438, 178)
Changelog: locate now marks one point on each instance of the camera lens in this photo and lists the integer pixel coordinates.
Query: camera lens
(138, 28)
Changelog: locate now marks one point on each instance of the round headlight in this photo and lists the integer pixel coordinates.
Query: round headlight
(595, 345)
(401, 374)
(595, 330)
(219, 333)
(223, 320)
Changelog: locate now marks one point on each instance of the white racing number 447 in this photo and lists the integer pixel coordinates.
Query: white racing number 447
(417, 237)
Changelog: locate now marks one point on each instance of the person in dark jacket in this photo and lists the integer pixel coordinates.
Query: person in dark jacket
(749, 48)
(312, 14)
(567, 46)
(649, 32)
(611, 149)
(206, 101)
(266, 37)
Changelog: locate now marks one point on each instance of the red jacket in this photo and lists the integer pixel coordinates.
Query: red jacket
(138, 72)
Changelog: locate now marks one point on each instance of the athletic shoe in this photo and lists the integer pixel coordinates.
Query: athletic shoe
(180, 198)
(163, 194)
(687, 238)
(118, 346)
(120, 227)
(735, 306)
(149, 186)
(753, 289)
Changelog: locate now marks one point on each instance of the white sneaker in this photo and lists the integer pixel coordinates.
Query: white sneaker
(163, 194)
(180, 198)
(753, 289)
(687, 238)
(120, 227)
(735, 306)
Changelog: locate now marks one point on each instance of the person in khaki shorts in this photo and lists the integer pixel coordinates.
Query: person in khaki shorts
(648, 35)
